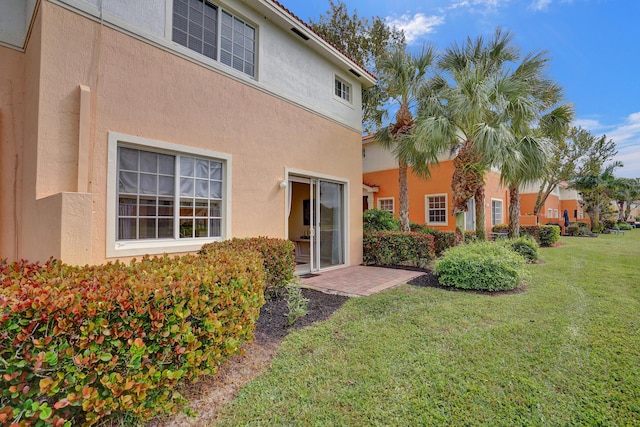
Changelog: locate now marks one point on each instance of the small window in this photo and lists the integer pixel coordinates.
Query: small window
(436, 209)
(555, 213)
(496, 212)
(342, 89)
(386, 204)
(204, 28)
(549, 213)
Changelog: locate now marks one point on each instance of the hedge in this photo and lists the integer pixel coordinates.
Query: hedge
(79, 344)
(398, 248)
(545, 235)
(278, 258)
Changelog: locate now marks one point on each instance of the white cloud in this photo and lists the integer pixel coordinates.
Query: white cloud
(627, 138)
(540, 4)
(416, 26)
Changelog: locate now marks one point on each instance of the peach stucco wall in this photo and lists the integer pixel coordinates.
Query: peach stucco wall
(438, 183)
(11, 129)
(141, 90)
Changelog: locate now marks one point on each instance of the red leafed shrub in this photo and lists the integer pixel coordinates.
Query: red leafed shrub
(278, 257)
(398, 248)
(78, 344)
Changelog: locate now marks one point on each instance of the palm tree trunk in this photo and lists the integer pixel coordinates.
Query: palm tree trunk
(459, 234)
(403, 184)
(481, 232)
(514, 212)
(621, 217)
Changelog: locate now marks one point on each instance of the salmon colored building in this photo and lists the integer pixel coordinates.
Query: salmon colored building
(429, 199)
(155, 126)
(561, 198)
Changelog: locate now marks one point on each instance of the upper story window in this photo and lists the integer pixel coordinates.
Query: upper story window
(204, 27)
(342, 90)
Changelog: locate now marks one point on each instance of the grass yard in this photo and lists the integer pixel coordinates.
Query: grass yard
(564, 352)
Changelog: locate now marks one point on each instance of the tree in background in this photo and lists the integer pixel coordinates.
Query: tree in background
(625, 191)
(596, 187)
(401, 78)
(365, 40)
(578, 153)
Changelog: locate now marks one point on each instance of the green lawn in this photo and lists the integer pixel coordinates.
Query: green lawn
(564, 352)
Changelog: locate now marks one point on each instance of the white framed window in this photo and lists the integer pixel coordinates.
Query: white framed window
(163, 197)
(204, 27)
(496, 212)
(436, 209)
(580, 215)
(549, 213)
(342, 89)
(555, 213)
(386, 204)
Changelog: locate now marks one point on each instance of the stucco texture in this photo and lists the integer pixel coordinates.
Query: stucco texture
(439, 183)
(141, 90)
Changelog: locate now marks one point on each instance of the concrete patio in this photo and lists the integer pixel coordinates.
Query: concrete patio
(356, 281)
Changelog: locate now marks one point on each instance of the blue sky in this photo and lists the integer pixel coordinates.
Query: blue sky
(594, 46)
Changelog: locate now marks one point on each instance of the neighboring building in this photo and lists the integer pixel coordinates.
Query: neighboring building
(561, 198)
(151, 126)
(429, 200)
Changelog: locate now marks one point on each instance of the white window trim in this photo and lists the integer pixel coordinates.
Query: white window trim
(549, 213)
(205, 59)
(346, 82)
(446, 209)
(393, 204)
(158, 246)
(501, 211)
(556, 213)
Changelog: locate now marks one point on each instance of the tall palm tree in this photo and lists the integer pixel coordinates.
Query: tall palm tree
(531, 157)
(625, 191)
(401, 77)
(481, 108)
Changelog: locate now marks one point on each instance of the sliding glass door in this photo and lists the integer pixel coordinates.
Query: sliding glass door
(316, 222)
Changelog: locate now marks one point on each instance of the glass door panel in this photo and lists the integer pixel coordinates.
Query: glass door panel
(330, 224)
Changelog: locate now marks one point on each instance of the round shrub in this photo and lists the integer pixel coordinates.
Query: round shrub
(379, 220)
(525, 246)
(485, 266)
(624, 226)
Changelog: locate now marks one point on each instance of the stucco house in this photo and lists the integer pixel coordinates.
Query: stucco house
(430, 199)
(152, 126)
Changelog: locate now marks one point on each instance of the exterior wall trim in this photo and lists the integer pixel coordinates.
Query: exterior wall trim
(116, 249)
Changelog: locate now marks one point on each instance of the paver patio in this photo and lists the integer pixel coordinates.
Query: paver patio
(357, 280)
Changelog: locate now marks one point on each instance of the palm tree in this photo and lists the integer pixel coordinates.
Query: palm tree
(625, 191)
(481, 109)
(595, 188)
(401, 77)
(531, 158)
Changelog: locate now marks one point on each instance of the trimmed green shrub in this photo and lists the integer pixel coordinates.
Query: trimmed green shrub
(379, 220)
(548, 235)
(398, 248)
(485, 266)
(469, 236)
(573, 230)
(278, 257)
(442, 240)
(624, 226)
(79, 344)
(524, 245)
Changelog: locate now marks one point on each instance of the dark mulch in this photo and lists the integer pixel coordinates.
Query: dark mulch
(273, 324)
